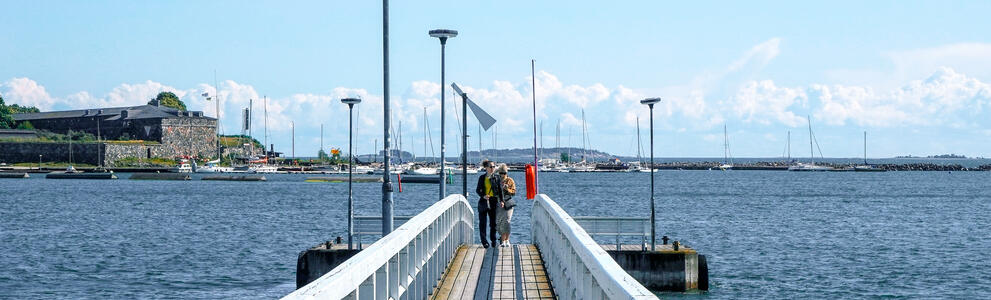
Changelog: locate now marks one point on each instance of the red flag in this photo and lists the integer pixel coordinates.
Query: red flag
(531, 182)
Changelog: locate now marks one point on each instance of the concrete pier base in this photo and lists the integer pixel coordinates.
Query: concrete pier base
(665, 269)
(314, 262)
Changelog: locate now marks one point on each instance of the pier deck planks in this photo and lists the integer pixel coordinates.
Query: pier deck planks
(495, 273)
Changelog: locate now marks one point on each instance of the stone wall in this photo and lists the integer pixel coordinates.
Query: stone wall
(115, 152)
(88, 153)
(189, 136)
(11, 152)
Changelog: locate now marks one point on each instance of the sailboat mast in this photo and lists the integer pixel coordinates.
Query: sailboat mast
(865, 147)
(725, 145)
(639, 159)
(789, 145)
(424, 131)
(217, 96)
(811, 152)
(265, 131)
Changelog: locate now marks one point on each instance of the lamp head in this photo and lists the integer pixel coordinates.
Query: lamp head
(650, 101)
(443, 34)
(350, 101)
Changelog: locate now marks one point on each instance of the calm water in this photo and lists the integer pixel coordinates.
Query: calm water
(766, 234)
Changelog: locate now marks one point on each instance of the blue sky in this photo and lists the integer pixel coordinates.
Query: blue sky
(915, 75)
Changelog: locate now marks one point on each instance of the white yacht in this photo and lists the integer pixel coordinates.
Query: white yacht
(183, 167)
(214, 166)
(809, 167)
(423, 171)
(263, 169)
(364, 170)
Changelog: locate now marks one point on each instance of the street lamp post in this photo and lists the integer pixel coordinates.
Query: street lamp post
(653, 235)
(443, 35)
(350, 102)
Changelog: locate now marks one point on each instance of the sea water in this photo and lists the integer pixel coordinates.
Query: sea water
(766, 234)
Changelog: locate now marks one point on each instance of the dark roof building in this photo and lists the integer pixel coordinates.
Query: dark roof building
(182, 132)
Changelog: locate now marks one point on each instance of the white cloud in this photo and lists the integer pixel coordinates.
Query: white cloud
(763, 102)
(943, 98)
(27, 92)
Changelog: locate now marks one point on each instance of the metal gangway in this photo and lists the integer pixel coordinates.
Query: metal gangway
(431, 255)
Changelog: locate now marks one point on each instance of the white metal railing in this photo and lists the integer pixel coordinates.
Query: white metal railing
(405, 264)
(577, 266)
(618, 228)
(371, 226)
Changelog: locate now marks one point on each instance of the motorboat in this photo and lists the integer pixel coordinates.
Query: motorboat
(183, 167)
(363, 170)
(214, 166)
(263, 169)
(809, 168)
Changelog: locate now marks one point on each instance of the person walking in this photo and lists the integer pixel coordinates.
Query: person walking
(488, 188)
(504, 214)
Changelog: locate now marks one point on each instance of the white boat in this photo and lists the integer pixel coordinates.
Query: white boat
(471, 170)
(582, 167)
(809, 168)
(727, 162)
(263, 169)
(423, 171)
(183, 167)
(363, 170)
(866, 167)
(214, 166)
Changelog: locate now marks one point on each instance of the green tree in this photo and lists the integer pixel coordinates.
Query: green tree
(6, 120)
(168, 99)
(322, 155)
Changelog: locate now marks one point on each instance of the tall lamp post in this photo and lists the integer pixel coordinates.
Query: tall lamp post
(350, 102)
(653, 235)
(443, 35)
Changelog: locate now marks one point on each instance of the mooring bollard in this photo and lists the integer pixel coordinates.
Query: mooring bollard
(675, 245)
(664, 239)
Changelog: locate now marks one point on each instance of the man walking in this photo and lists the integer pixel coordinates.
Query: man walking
(487, 188)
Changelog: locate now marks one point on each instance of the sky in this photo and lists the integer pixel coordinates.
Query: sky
(916, 76)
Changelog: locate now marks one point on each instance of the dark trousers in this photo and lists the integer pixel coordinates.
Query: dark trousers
(486, 211)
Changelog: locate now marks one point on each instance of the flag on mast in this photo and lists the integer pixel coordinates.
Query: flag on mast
(484, 118)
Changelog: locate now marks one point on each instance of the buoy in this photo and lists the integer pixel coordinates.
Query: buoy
(531, 181)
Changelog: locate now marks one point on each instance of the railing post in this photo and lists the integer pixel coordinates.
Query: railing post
(382, 283)
(367, 289)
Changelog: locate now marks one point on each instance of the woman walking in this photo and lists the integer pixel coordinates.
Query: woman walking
(504, 214)
(488, 191)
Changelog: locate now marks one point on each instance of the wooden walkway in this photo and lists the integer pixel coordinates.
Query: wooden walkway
(475, 272)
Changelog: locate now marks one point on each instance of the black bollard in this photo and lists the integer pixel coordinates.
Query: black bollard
(664, 239)
(675, 244)
(339, 240)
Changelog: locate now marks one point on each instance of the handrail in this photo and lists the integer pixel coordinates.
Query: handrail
(617, 227)
(407, 262)
(372, 226)
(578, 267)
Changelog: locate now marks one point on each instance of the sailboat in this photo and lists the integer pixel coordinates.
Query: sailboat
(583, 165)
(812, 165)
(866, 167)
(727, 164)
(424, 169)
(640, 167)
(262, 165)
(214, 166)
